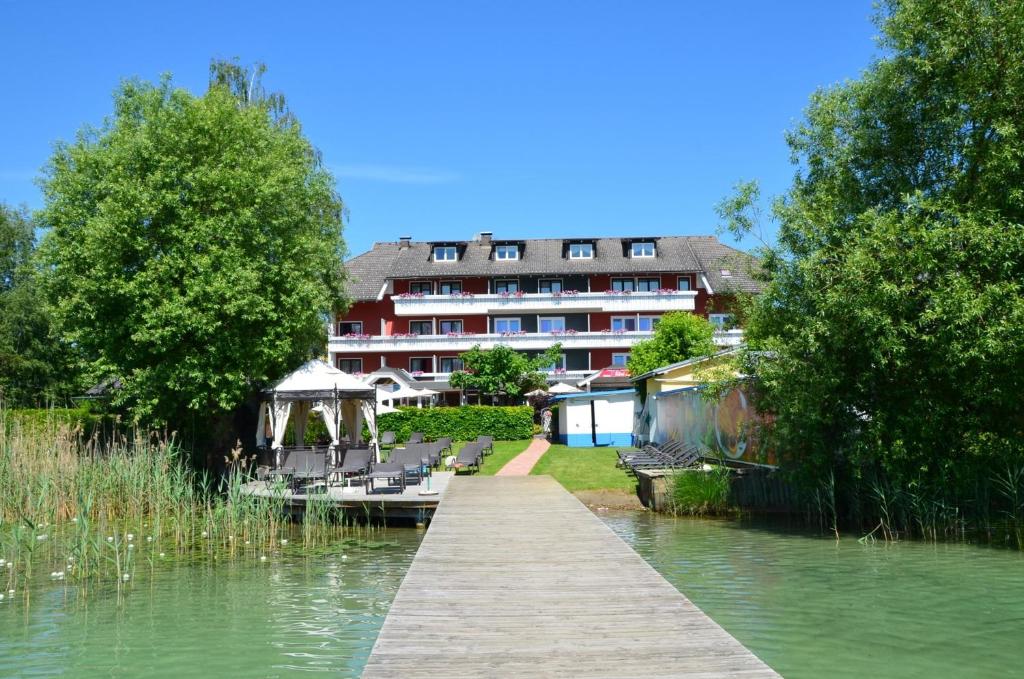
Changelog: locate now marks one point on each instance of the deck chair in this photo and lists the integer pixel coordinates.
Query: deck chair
(416, 437)
(387, 439)
(390, 471)
(309, 465)
(469, 457)
(354, 465)
(486, 444)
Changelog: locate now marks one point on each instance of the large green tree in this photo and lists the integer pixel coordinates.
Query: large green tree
(890, 335)
(194, 246)
(678, 336)
(36, 368)
(503, 370)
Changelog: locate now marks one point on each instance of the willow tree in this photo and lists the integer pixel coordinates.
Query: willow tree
(194, 247)
(891, 328)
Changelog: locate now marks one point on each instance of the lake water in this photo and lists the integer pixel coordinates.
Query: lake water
(816, 607)
(809, 606)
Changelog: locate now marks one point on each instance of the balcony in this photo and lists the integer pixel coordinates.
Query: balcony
(581, 302)
(521, 341)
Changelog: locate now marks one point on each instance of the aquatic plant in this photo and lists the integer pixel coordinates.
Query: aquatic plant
(699, 492)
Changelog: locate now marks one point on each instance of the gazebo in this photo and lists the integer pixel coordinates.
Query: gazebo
(341, 399)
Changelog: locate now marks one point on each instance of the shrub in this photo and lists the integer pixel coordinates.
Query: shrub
(461, 423)
(699, 492)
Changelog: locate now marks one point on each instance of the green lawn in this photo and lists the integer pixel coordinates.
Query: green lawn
(585, 469)
(503, 452)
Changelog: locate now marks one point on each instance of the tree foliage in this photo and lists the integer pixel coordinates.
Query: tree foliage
(36, 368)
(890, 336)
(678, 336)
(194, 246)
(503, 370)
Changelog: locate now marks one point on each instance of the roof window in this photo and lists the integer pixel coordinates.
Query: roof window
(506, 252)
(643, 248)
(446, 253)
(581, 250)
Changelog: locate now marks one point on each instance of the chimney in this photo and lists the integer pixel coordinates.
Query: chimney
(485, 237)
(405, 242)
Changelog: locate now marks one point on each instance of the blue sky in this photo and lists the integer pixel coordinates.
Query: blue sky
(443, 119)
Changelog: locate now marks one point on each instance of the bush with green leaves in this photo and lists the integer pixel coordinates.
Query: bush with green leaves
(678, 336)
(461, 423)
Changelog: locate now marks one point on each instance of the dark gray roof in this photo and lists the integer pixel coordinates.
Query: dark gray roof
(369, 271)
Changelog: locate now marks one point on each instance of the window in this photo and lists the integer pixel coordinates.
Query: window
(683, 283)
(450, 364)
(627, 323)
(421, 287)
(623, 284)
(551, 285)
(620, 360)
(449, 287)
(350, 328)
(726, 273)
(581, 251)
(445, 253)
(648, 284)
(421, 365)
(506, 252)
(643, 249)
(722, 321)
(421, 327)
(447, 327)
(647, 323)
(508, 286)
(552, 324)
(557, 365)
(507, 325)
(350, 365)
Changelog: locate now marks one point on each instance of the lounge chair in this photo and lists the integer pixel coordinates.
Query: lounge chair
(684, 456)
(416, 437)
(486, 444)
(354, 465)
(309, 465)
(469, 457)
(444, 444)
(391, 471)
(388, 439)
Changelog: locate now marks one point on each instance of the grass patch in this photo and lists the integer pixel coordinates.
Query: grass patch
(698, 492)
(585, 469)
(503, 452)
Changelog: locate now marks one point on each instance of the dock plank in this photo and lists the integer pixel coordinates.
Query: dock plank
(516, 578)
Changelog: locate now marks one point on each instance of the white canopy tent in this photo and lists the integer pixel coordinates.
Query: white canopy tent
(405, 392)
(563, 388)
(339, 397)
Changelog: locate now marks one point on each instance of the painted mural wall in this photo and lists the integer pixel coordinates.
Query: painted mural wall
(729, 427)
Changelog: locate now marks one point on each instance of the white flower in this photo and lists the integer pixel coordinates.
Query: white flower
(204, 534)
(110, 538)
(41, 537)
(1, 597)
(10, 564)
(161, 555)
(130, 536)
(125, 577)
(246, 542)
(71, 559)
(74, 519)
(344, 556)
(284, 542)
(131, 546)
(3, 561)
(263, 558)
(10, 591)
(149, 538)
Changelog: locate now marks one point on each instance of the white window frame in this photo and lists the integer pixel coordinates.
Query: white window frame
(442, 359)
(632, 319)
(557, 365)
(506, 281)
(556, 281)
(719, 320)
(680, 279)
(624, 357)
(621, 280)
(589, 255)
(442, 321)
(541, 319)
(421, 320)
(500, 249)
(642, 255)
(359, 331)
(339, 359)
(653, 319)
(446, 250)
(450, 284)
(428, 359)
(429, 284)
(507, 319)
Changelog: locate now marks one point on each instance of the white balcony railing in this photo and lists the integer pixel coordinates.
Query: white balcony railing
(521, 341)
(552, 375)
(582, 302)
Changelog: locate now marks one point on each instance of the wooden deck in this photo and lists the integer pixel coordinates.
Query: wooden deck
(516, 578)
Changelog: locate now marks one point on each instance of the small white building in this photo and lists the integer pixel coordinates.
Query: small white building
(598, 418)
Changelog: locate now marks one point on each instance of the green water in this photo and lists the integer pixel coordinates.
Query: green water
(815, 607)
(285, 617)
(809, 606)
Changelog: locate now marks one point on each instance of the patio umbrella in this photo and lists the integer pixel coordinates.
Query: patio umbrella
(563, 388)
(384, 409)
(536, 392)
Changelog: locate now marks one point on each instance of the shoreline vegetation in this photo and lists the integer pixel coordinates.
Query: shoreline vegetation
(94, 511)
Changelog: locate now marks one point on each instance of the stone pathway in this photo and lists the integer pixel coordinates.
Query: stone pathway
(521, 464)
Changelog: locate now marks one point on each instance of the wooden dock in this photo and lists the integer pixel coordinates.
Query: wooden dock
(516, 578)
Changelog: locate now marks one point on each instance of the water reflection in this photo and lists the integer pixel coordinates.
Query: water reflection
(817, 607)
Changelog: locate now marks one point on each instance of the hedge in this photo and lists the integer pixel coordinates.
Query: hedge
(462, 423)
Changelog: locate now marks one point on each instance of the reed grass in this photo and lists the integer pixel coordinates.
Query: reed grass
(700, 492)
(87, 511)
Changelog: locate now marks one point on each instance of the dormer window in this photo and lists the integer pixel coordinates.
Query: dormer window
(643, 249)
(581, 250)
(445, 253)
(506, 252)
(726, 273)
